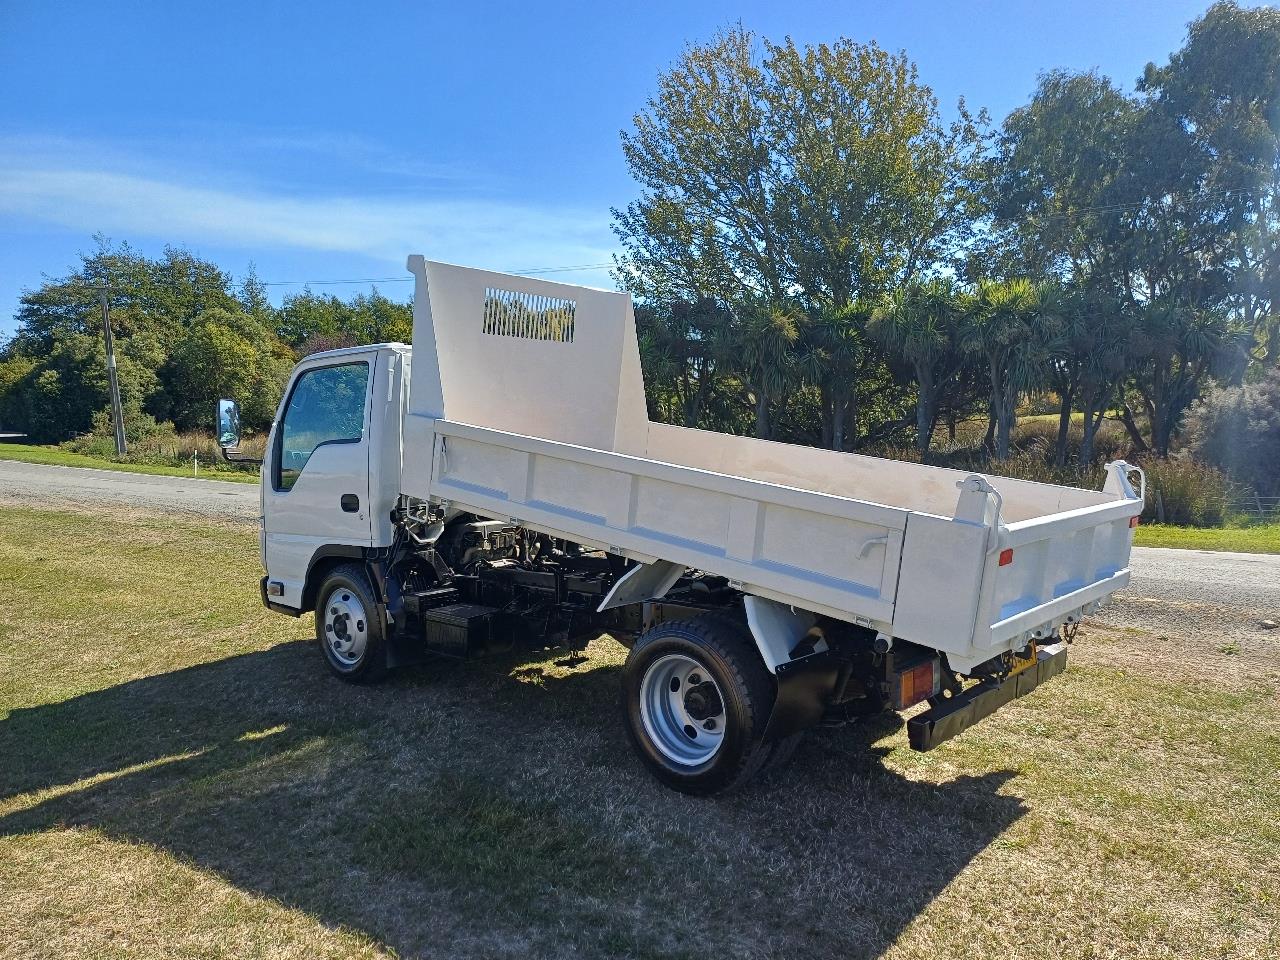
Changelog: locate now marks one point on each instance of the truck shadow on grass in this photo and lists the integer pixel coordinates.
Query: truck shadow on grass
(493, 810)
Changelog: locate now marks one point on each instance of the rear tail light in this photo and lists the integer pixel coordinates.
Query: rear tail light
(1133, 522)
(1006, 556)
(918, 683)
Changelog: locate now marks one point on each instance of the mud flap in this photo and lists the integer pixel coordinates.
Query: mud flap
(962, 711)
(805, 687)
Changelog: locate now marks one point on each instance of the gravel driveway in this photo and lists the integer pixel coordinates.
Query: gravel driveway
(32, 483)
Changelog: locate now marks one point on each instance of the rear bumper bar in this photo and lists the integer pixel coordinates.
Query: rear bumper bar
(962, 711)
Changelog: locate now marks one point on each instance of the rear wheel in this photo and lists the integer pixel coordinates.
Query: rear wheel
(696, 697)
(349, 625)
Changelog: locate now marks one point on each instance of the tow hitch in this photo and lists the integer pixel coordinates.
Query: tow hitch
(959, 713)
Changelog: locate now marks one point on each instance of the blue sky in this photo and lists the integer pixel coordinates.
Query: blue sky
(327, 140)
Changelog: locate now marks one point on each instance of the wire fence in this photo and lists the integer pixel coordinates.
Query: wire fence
(1237, 506)
(1254, 507)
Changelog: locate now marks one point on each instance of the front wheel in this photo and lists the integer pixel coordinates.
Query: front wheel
(696, 697)
(349, 625)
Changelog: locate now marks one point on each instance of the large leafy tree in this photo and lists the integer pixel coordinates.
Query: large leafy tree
(790, 184)
(185, 335)
(310, 321)
(58, 344)
(164, 311)
(815, 174)
(1067, 202)
(1156, 212)
(224, 354)
(1220, 94)
(1062, 193)
(156, 298)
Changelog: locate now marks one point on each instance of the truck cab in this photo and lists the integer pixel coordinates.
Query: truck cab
(331, 470)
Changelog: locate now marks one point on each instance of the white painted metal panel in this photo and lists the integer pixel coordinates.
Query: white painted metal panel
(1060, 566)
(911, 486)
(940, 583)
(830, 553)
(578, 383)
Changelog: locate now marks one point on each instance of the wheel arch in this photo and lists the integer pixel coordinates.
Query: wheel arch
(322, 561)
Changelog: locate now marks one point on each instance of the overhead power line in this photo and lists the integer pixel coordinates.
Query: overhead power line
(318, 283)
(1082, 212)
(532, 271)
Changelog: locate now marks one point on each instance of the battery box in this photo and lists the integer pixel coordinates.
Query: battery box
(459, 629)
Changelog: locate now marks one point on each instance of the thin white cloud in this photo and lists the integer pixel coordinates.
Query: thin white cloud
(493, 233)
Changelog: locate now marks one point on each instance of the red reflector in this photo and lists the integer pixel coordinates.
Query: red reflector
(1006, 556)
(919, 684)
(1133, 522)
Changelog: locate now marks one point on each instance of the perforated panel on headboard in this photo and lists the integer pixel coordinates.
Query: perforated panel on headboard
(528, 356)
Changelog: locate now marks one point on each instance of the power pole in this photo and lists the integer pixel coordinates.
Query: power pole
(117, 409)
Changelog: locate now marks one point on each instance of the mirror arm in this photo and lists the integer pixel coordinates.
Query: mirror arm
(232, 457)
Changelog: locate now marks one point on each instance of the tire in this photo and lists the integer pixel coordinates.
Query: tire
(696, 738)
(782, 752)
(349, 625)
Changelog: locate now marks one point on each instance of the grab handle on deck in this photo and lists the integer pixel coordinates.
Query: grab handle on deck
(977, 497)
(870, 542)
(1119, 471)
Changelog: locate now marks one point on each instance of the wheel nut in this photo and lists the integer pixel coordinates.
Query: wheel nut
(694, 678)
(709, 723)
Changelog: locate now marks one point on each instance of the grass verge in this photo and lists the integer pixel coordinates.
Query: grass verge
(1263, 538)
(180, 778)
(55, 456)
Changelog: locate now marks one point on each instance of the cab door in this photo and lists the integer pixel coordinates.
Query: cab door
(316, 476)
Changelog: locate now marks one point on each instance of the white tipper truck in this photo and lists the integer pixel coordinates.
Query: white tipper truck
(499, 486)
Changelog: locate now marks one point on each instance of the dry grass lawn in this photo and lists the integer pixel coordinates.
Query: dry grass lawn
(180, 778)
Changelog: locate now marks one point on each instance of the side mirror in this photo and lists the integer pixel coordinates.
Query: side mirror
(228, 428)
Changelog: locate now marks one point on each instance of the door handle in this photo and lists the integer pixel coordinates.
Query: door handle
(350, 502)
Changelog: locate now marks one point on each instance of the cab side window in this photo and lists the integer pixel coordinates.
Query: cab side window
(326, 406)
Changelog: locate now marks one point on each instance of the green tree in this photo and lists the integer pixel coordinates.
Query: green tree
(1221, 93)
(310, 322)
(835, 356)
(1178, 347)
(818, 174)
(1061, 189)
(921, 324)
(680, 347)
(1092, 360)
(1014, 336)
(225, 354)
(761, 349)
(790, 184)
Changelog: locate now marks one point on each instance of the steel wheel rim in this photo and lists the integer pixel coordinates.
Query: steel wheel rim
(346, 626)
(682, 710)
